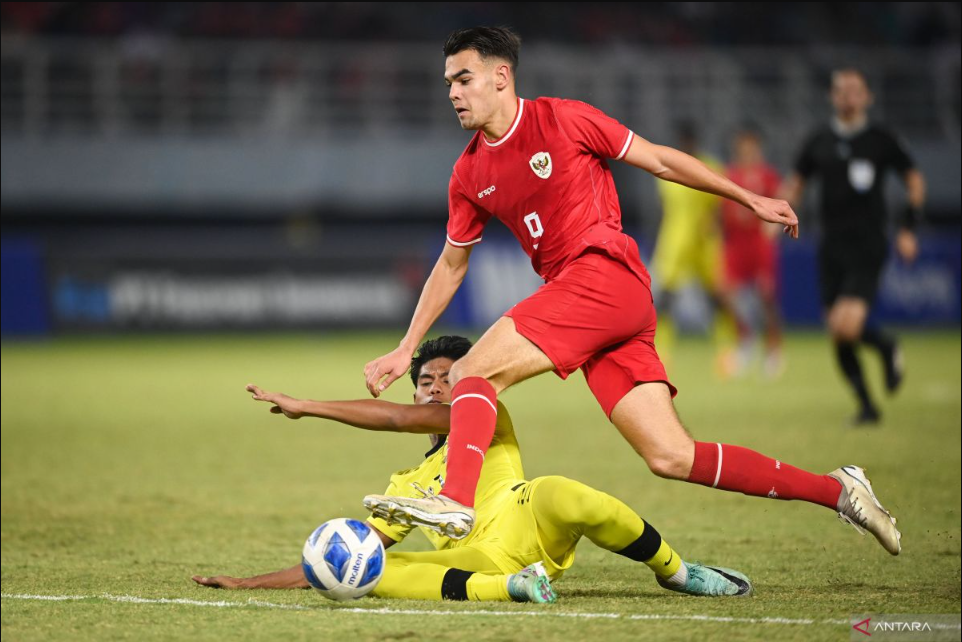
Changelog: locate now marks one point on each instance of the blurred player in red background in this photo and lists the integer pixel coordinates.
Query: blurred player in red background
(750, 248)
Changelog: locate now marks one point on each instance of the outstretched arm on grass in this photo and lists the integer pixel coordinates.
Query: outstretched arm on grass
(288, 578)
(369, 414)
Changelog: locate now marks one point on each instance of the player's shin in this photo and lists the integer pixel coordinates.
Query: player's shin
(465, 585)
(851, 367)
(473, 417)
(745, 471)
(426, 581)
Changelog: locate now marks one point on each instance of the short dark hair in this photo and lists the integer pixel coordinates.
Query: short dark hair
(852, 70)
(489, 42)
(451, 347)
(750, 129)
(686, 129)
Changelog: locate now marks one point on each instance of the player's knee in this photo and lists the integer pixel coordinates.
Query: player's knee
(464, 368)
(843, 332)
(668, 465)
(456, 373)
(573, 503)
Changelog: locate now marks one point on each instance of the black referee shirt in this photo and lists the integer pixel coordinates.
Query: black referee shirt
(852, 169)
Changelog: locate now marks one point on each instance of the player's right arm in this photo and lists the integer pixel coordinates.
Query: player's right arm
(466, 221)
(444, 281)
(676, 166)
(906, 241)
(369, 414)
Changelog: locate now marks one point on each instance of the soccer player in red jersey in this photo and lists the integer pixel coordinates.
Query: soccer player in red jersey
(540, 167)
(750, 251)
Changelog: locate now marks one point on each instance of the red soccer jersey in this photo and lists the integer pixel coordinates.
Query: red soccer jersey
(740, 225)
(547, 180)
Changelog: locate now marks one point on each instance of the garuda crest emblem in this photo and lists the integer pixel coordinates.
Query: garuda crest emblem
(541, 164)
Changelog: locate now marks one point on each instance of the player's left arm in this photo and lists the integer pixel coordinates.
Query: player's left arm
(288, 578)
(369, 414)
(673, 165)
(906, 241)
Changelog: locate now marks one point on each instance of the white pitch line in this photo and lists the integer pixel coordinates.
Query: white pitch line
(133, 599)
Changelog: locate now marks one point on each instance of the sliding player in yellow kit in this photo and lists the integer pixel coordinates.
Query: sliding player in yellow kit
(526, 531)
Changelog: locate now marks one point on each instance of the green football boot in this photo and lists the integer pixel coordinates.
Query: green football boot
(714, 581)
(531, 584)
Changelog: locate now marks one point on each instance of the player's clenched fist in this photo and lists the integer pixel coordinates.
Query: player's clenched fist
(383, 371)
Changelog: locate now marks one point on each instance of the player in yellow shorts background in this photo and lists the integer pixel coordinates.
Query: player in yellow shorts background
(689, 246)
(519, 523)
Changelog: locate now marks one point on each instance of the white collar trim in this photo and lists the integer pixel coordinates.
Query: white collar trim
(514, 126)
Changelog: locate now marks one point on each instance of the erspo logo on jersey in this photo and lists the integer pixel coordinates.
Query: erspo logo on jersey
(486, 192)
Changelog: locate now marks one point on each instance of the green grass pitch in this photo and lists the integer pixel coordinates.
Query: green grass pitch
(129, 464)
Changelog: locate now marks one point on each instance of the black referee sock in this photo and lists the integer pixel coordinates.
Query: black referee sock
(882, 342)
(887, 349)
(852, 369)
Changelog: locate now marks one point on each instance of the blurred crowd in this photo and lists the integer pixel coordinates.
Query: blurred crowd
(907, 24)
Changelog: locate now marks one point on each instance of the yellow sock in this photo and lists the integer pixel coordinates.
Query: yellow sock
(488, 588)
(724, 331)
(665, 562)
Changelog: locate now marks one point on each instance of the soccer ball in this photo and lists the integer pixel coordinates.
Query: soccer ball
(343, 559)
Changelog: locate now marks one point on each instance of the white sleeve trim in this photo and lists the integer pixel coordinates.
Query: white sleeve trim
(624, 150)
(465, 244)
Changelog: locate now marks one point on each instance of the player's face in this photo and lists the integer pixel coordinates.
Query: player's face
(471, 88)
(850, 94)
(747, 150)
(433, 386)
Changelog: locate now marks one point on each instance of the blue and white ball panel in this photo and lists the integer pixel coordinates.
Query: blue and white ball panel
(317, 533)
(375, 566)
(337, 555)
(311, 576)
(360, 529)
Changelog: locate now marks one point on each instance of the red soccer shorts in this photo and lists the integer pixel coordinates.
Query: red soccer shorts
(752, 261)
(597, 315)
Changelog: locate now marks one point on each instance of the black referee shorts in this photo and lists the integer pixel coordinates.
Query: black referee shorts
(850, 270)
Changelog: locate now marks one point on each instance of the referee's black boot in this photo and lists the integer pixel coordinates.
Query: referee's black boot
(894, 367)
(866, 417)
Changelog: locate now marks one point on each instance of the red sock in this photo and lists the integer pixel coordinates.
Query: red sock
(474, 412)
(746, 471)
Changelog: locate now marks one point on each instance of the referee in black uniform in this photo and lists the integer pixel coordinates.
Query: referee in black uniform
(852, 156)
